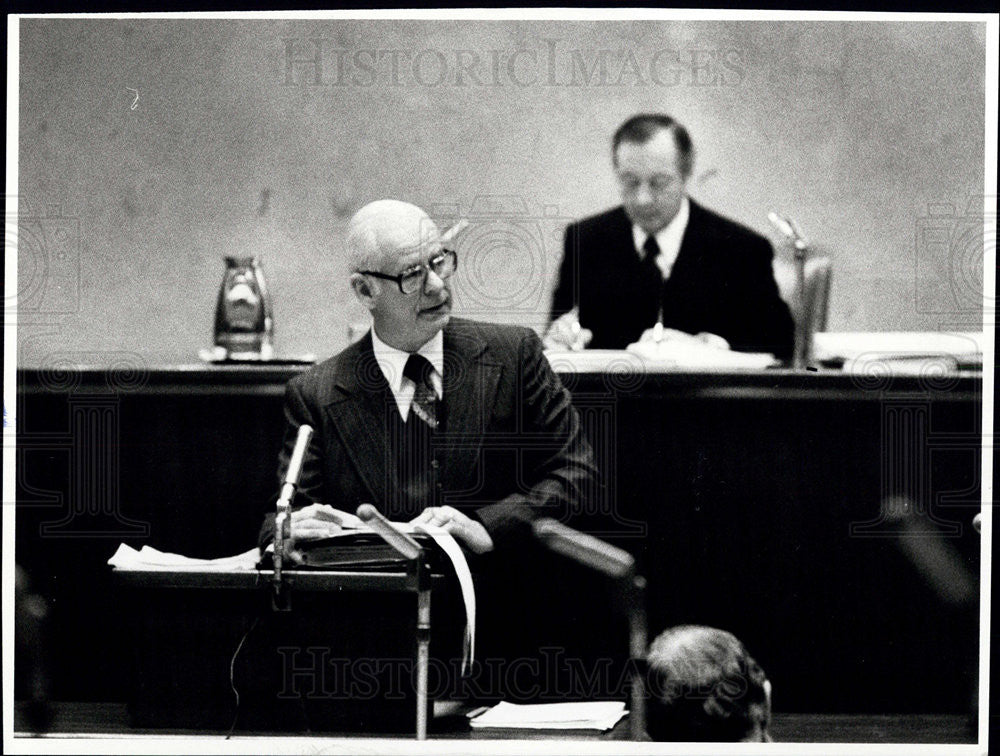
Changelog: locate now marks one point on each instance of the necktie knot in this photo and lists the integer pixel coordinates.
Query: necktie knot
(419, 370)
(651, 249)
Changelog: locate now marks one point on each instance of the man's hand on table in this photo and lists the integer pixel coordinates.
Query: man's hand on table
(315, 521)
(565, 333)
(461, 526)
(323, 521)
(660, 335)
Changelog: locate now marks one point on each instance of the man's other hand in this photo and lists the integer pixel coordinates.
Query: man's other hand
(315, 521)
(565, 333)
(660, 335)
(463, 527)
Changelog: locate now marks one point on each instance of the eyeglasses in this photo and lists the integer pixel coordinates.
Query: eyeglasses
(412, 280)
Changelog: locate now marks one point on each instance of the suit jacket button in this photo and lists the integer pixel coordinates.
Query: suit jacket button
(435, 464)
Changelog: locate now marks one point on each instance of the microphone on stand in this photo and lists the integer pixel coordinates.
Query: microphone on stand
(283, 511)
(619, 565)
(803, 327)
(789, 228)
(419, 571)
(401, 542)
(583, 548)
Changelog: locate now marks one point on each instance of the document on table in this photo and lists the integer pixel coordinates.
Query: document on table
(148, 558)
(586, 715)
(652, 357)
(902, 352)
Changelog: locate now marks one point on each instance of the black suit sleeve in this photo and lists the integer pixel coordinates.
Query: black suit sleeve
(558, 470)
(564, 295)
(768, 325)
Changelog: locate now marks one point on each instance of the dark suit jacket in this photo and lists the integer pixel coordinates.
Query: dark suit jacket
(721, 282)
(510, 446)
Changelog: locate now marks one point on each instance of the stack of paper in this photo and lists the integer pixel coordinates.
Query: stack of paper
(148, 558)
(588, 715)
(902, 353)
(691, 355)
(653, 357)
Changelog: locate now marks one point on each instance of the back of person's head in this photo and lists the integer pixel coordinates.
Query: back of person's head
(704, 686)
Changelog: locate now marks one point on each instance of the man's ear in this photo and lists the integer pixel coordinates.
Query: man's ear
(365, 289)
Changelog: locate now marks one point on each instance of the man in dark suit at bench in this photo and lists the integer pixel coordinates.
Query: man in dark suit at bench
(660, 257)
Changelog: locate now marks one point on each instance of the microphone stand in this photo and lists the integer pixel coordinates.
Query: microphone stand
(419, 577)
(619, 565)
(283, 515)
(802, 355)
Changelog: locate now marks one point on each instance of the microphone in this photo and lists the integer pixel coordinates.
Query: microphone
(789, 228)
(618, 564)
(282, 524)
(295, 466)
(802, 350)
(401, 542)
(586, 549)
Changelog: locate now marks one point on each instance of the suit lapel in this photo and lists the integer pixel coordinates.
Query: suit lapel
(692, 244)
(360, 415)
(471, 376)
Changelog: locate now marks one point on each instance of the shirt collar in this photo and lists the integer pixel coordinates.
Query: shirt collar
(668, 238)
(392, 361)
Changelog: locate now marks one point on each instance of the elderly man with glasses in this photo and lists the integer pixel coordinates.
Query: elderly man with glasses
(431, 418)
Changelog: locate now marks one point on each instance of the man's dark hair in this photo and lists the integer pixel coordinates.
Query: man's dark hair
(703, 686)
(639, 129)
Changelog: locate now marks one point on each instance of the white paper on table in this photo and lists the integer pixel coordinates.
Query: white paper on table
(849, 346)
(653, 357)
(900, 353)
(148, 558)
(693, 355)
(586, 715)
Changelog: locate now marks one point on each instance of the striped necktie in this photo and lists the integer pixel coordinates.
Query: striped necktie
(418, 369)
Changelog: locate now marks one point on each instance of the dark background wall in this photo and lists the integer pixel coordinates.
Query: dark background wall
(262, 137)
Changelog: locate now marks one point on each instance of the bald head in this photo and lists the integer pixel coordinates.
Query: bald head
(383, 230)
(387, 240)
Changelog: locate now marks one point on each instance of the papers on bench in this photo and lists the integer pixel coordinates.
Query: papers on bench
(904, 353)
(587, 715)
(148, 558)
(651, 357)
(692, 355)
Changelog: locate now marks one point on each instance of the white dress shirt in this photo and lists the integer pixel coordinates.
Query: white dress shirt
(392, 361)
(669, 238)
